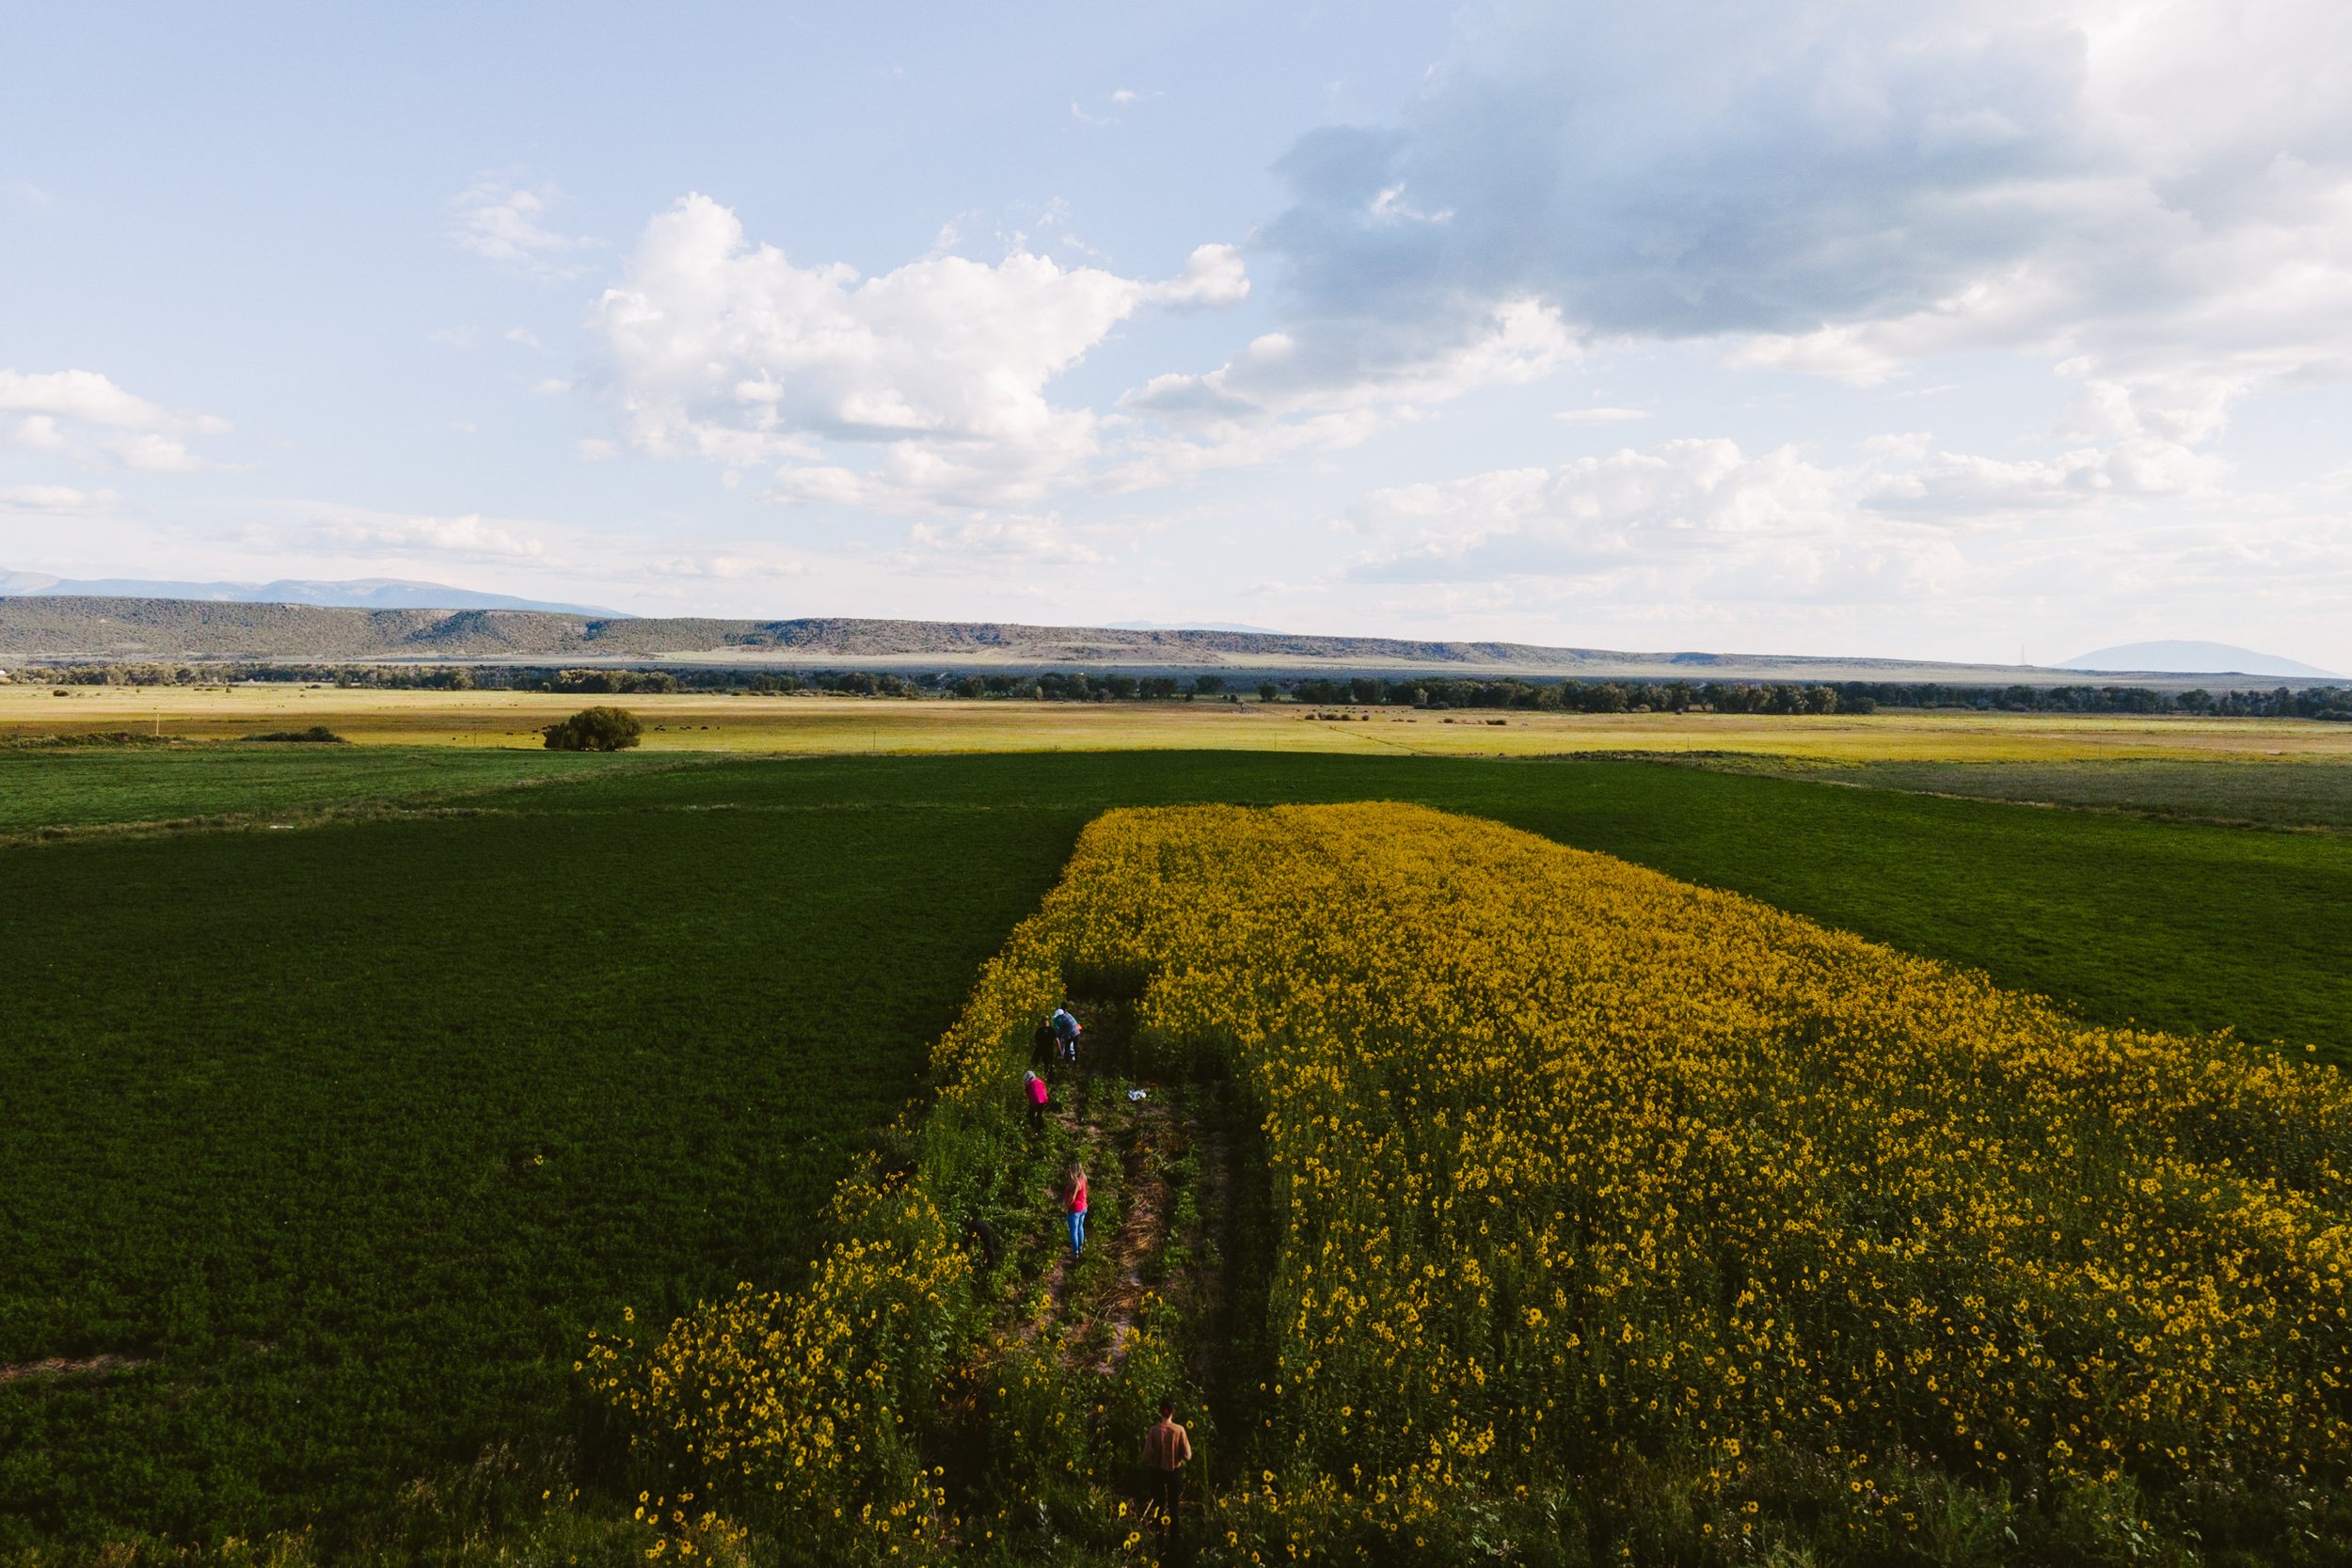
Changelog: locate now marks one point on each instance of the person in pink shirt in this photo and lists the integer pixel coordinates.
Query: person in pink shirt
(1074, 1194)
(1034, 1088)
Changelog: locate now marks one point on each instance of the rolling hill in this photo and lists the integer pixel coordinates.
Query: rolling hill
(68, 628)
(2208, 658)
(358, 592)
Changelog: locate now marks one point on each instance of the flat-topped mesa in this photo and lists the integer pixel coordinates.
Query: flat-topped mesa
(69, 628)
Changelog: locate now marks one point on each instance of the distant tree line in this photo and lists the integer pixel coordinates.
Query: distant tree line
(1571, 696)
(1511, 692)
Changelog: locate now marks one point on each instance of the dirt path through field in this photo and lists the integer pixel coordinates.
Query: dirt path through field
(1091, 1314)
(1142, 1229)
(58, 1365)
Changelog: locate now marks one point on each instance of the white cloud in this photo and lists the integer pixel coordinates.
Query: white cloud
(89, 398)
(38, 433)
(1118, 98)
(355, 532)
(1692, 519)
(2139, 443)
(83, 414)
(923, 386)
(1028, 540)
(508, 224)
(1600, 416)
(1688, 520)
(151, 453)
(1846, 190)
(1325, 388)
(736, 564)
(1148, 462)
(1959, 486)
(53, 500)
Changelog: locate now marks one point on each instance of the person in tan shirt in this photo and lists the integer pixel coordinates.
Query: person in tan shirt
(1166, 1449)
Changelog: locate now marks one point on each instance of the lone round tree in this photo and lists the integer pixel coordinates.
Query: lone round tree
(595, 729)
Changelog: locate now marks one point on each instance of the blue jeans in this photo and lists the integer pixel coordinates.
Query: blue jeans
(1077, 1230)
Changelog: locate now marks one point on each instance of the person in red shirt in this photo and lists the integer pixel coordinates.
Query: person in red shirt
(1074, 1197)
(1034, 1088)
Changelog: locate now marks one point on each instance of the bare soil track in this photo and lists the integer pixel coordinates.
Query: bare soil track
(58, 1365)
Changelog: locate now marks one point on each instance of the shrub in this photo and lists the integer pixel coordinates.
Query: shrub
(596, 729)
(315, 734)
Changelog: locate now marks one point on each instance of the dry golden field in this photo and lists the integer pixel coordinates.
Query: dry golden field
(838, 725)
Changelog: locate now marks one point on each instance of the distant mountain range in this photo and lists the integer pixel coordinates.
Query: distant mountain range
(48, 625)
(357, 594)
(2195, 659)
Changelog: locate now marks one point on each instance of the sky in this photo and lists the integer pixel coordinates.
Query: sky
(1940, 329)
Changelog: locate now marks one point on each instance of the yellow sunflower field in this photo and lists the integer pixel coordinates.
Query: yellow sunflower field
(1614, 1218)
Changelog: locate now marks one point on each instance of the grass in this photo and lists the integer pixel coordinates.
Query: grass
(845, 726)
(2302, 793)
(78, 787)
(2178, 925)
(279, 1102)
(349, 1135)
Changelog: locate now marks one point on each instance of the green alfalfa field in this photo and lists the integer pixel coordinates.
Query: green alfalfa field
(326, 1144)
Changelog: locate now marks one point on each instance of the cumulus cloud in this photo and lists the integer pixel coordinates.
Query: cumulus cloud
(1961, 485)
(1312, 368)
(1846, 189)
(83, 414)
(1020, 538)
(358, 531)
(923, 386)
(1323, 385)
(1721, 521)
(1203, 445)
(740, 564)
(509, 224)
(53, 500)
(1695, 519)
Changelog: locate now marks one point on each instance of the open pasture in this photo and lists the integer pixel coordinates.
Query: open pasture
(827, 725)
(2272, 792)
(343, 1137)
(73, 787)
